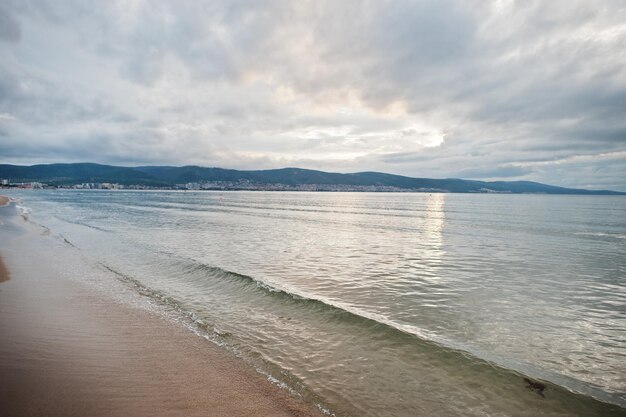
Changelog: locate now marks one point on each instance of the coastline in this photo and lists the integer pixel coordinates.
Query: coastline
(70, 347)
(196, 268)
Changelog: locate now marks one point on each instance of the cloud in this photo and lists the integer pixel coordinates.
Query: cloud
(431, 88)
(496, 172)
(10, 30)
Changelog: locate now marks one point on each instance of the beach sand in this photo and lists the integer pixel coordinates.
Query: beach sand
(4, 272)
(68, 348)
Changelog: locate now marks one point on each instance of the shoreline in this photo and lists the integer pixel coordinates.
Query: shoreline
(308, 348)
(69, 347)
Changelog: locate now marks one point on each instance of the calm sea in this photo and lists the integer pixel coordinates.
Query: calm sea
(380, 304)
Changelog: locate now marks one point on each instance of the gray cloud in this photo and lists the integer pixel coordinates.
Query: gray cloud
(10, 30)
(497, 172)
(502, 89)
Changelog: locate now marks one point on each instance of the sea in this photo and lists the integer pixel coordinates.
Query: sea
(380, 304)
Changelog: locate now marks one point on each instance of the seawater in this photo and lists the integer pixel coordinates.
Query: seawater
(382, 304)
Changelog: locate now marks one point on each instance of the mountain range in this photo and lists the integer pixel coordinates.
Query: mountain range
(289, 178)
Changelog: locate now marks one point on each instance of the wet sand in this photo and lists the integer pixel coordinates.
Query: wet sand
(70, 348)
(4, 272)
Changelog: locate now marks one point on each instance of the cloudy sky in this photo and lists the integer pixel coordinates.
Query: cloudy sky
(493, 90)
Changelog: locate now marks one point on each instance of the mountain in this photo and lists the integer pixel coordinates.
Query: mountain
(288, 178)
(64, 174)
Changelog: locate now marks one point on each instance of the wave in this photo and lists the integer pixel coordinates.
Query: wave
(602, 234)
(79, 223)
(351, 312)
(380, 323)
(217, 336)
(23, 210)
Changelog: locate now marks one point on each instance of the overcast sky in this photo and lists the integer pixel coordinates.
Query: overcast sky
(492, 90)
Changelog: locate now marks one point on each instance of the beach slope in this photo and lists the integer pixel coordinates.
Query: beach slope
(71, 346)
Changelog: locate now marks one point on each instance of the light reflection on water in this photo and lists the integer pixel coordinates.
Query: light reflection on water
(533, 283)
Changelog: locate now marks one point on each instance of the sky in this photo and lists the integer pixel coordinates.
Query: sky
(488, 90)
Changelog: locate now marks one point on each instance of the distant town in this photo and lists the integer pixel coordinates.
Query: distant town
(241, 185)
(91, 176)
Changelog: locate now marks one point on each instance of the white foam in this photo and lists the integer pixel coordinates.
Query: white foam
(24, 211)
(602, 234)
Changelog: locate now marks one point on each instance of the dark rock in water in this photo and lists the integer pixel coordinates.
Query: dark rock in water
(536, 386)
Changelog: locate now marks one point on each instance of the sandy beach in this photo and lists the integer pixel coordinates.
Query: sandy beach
(4, 272)
(70, 348)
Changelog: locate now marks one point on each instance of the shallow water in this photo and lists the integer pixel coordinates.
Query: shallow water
(383, 304)
(76, 342)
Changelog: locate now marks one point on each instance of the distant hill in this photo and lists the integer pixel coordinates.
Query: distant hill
(170, 176)
(65, 174)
